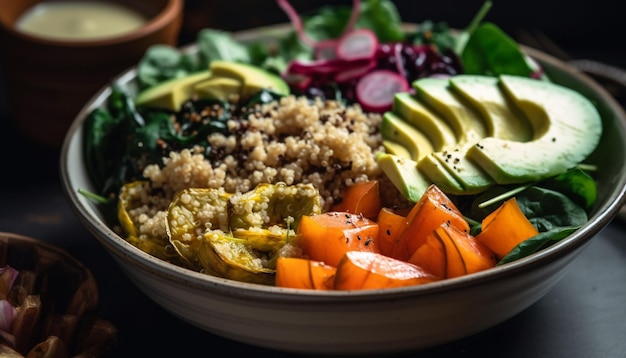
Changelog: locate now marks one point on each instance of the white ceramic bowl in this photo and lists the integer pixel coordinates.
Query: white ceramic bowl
(365, 322)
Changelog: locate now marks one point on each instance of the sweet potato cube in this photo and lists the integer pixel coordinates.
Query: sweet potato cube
(432, 210)
(505, 228)
(361, 198)
(295, 272)
(327, 237)
(360, 270)
(449, 252)
(390, 226)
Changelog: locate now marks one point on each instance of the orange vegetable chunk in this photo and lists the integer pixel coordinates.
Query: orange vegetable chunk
(390, 227)
(505, 228)
(361, 198)
(295, 272)
(449, 252)
(433, 209)
(328, 236)
(361, 270)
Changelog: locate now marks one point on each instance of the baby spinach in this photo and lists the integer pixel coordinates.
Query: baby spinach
(548, 209)
(537, 243)
(161, 63)
(219, 45)
(577, 185)
(490, 51)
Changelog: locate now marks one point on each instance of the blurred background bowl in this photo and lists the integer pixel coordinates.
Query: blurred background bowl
(366, 322)
(49, 80)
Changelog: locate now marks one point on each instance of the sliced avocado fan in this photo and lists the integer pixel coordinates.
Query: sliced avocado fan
(508, 130)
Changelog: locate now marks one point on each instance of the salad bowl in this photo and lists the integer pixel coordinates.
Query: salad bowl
(379, 321)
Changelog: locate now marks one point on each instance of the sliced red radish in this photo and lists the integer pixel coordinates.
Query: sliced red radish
(357, 71)
(313, 67)
(356, 44)
(324, 67)
(375, 90)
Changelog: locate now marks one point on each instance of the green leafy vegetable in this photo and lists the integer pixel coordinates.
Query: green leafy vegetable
(463, 36)
(490, 51)
(576, 184)
(219, 45)
(537, 243)
(548, 209)
(382, 18)
(161, 63)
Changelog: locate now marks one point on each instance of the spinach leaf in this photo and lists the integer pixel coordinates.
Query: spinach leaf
(381, 16)
(548, 209)
(490, 51)
(220, 45)
(161, 63)
(537, 243)
(101, 133)
(462, 37)
(577, 184)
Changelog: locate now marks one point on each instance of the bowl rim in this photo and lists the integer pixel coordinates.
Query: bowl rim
(10, 237)
(122, 250)
(171, 10)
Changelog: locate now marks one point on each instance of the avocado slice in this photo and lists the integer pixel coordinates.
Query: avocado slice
(468, 126)
(404, 175)
(424, 119)
(471, 178)
(502, 117)
(253, 79)
(434, 170)
(170, 95)
(395, 129)
(220, 88)
(398, 149)
(566, 125)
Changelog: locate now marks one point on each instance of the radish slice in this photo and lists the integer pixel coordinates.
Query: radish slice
(324, 67)
(357, 44)
(356, 72)
(375, 91)
(313, 67)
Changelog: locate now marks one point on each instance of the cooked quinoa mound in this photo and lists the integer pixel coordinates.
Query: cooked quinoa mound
(293, 140)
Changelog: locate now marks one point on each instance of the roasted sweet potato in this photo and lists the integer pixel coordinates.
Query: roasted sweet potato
(449, 252)
(361, 198)
(361, 270)
(327, 237)
(303, 273)
(505, 228)
(433, 209)
(390, 226)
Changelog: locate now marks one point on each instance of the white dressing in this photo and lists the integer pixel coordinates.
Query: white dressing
(79, 20)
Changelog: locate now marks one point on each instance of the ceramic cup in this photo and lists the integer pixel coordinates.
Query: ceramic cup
(48, 80)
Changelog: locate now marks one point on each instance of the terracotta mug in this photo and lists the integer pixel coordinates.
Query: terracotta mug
(48, 81)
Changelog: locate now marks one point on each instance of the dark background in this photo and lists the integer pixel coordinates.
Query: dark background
(580, 27)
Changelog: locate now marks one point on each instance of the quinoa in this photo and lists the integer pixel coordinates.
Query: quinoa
(292, 140)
